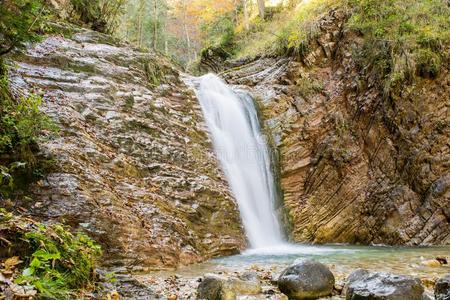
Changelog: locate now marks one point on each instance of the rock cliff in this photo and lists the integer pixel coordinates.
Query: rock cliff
(356, 166)
(133, 165)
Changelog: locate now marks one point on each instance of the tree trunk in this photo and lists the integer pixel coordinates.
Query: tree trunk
(140, 21)
(186, 32)
(188, 41)
(155, 25)
(262, 8)
(246, 15)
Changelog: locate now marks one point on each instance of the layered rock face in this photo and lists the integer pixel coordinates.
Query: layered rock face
(133, 165)
(355, 167)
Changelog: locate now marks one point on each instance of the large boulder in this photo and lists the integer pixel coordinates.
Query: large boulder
(362, 284)
(307, 279)
(219, 287)
(442, 288)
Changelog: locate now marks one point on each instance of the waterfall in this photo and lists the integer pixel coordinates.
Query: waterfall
(244, 156)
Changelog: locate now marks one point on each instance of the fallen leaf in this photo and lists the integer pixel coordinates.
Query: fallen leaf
(11, 262)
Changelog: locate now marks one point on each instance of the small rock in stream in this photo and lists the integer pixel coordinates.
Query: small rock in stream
(220, 287)
(306, 280)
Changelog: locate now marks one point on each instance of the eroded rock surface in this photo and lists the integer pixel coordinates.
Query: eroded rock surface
(133, 165)
(356, 167)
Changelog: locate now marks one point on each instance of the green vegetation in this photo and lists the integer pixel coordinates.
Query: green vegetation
(19, 22)
(100, 15)
(44, 261)
(143, 24)
(219, 34)
(287, 32)
(294, 39)
(22, 125)
(55, 262)
(402, 39)
(307, 87)
(21, 121)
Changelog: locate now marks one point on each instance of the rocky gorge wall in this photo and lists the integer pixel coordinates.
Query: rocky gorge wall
(133, 165)
(355, 167)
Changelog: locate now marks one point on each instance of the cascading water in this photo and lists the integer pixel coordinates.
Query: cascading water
(243, 152)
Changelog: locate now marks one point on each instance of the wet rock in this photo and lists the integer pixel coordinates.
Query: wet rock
(127, 287)
(220, 287)
(306, 280)
(362, 284)
(442, 260)
(125, 173)
(442, 288)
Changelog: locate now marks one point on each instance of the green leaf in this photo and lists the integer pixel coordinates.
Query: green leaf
(46, 255)
(35, 263)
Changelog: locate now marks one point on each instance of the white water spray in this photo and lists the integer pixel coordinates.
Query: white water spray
(243, 152)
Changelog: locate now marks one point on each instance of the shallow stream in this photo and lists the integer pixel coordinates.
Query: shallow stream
(341, 259)
(268, 263)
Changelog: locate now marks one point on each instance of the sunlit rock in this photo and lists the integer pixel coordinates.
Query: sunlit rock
(220, 287)
(306, 280)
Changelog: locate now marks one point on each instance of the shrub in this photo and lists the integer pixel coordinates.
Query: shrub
(21, 127)
(21, 122)
(18, 23)
(100, 15)
(56, 262)
(400, 36)
(428, 63)
(295, 37)
(219, 33)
